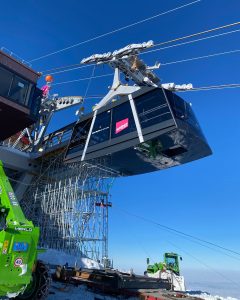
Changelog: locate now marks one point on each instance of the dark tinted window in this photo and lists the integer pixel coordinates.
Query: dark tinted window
(182, 109)
(13, 86)
(79, 136)
(19, 89)
(191, 118)
(5, 82)
(152, 108)
(178, 105)
(101, 128)
(34, 100)
(122, 120)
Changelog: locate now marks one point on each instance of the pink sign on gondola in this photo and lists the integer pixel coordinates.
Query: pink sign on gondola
(121, 125)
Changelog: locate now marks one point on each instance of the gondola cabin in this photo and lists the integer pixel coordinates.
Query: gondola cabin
(151, 129)
(19, 96)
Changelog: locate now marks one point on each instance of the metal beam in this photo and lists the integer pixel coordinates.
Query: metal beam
(17, 160)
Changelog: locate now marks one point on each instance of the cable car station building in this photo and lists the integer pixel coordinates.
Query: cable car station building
(19, 96)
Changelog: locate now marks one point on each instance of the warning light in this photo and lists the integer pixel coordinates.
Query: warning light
(49, 78)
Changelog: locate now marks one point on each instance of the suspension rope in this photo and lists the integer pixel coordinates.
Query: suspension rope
(198, 33)
(205, 246)
(82, 79)
(180, 232)
(190, 42)
(116, 30)
(89, 83)
(59, 68)
(214, 87)
(72, 69)
(200, 57)
(167, 63)
(204, 264)
(158, 44)
(203, 88)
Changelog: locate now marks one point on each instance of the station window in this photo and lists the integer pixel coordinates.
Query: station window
(101, 128)
(6, 78)
(13, 87)
(122, 120)
(152, 108)
(34, 99)
(19, 89)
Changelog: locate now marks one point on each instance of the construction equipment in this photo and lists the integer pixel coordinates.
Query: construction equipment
(109, 280)
(21, 275)
(168, 269)
(134, 129)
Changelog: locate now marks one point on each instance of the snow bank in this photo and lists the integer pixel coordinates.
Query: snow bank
(56, 257)
(59, 292)
(207, 296)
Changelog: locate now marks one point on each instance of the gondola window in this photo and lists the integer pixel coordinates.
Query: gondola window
(101, 128)
(80, 135)
(152, 108)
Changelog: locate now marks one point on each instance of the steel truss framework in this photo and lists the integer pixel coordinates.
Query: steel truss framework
(69, 202)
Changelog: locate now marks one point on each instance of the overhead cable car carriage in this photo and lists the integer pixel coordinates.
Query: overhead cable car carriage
(141, 128)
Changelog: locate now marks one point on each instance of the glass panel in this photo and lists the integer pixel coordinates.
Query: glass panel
(5, 82)
(28, 99)
(182, 110)
(79, 136)
(152, 108)
(101, 128)
(34, 100)
(171, 260)
(191, 118)
(122, 120)
(178, 105)
(19, 89)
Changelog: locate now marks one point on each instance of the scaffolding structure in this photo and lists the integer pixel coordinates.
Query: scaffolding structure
(69, 202)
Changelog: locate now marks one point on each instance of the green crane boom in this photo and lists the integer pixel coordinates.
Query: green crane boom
(18, 242)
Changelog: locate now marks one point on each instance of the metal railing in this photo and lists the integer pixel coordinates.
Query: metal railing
(15, 56)
(57, 138)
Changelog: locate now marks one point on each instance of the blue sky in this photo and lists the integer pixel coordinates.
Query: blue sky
(200, 198)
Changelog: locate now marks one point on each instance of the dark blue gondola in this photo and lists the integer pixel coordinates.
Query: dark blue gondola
(166, 134)
(19, 97)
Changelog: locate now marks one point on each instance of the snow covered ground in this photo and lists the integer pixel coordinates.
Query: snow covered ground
(195, 282)
(207, 296)
(60, 258)
(61, 292)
